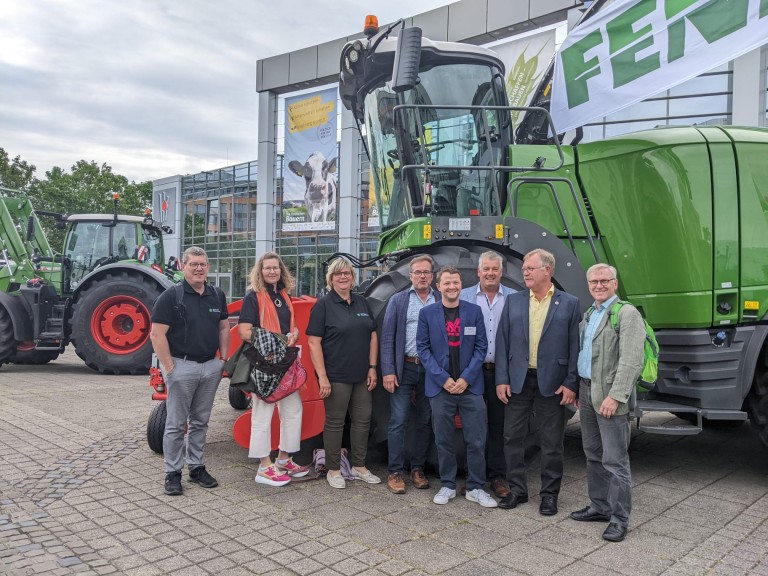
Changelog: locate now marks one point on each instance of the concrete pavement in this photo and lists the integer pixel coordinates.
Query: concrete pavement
(81, 493)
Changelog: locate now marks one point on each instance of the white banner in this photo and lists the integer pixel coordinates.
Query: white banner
(310, 183)
(638, 48)
(525, 60)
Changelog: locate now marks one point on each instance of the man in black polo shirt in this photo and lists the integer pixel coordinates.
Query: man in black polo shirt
(186, 338)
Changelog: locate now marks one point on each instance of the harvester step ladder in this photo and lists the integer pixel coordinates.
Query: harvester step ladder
(645, 406)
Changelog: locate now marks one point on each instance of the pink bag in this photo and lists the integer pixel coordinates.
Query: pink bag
(293, 379)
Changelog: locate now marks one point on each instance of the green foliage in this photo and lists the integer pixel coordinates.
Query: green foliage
(86, 189)
(16, 174)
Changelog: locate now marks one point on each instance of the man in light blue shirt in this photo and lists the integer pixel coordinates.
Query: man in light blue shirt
(489, 294)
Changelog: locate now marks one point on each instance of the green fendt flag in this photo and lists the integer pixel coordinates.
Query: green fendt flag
(638, 48)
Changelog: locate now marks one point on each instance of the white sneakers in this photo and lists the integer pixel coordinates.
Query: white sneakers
(336, 481)
(366, 476)
(444, 495)
(481, 497)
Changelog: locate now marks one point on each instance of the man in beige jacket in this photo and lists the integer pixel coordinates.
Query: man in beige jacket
(610, 362)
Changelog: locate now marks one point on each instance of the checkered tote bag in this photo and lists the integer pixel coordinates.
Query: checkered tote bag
(271, 360)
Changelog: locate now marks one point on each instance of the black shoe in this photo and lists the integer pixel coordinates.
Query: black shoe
(200, 476)
(173, 484)
(614, 533)
(548, 506)
(512, 500)
(588, 515)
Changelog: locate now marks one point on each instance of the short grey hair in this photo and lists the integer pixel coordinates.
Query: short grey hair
(547, 258)
(490, 255)
(338, 265)
(193, 251)
(602, 266)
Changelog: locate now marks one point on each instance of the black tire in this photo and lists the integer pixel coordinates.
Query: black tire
(757, 399)
(36, 357)
(237, 399)
(7, 341)
(156, 427)
(111, 322)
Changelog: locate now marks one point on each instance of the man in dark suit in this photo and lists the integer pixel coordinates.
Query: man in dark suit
(451, 341)
(404, 376)
(539, 338)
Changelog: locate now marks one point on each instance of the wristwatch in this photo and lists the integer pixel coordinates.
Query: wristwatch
(372, 366)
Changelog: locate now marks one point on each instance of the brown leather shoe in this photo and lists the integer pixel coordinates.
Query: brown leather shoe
(500, 487)
(396, 483)
(419, 480)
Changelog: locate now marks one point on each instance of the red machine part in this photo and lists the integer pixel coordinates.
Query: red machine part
(313, 418)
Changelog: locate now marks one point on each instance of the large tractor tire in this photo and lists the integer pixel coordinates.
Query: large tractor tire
(36, 357)
(111, 323)
(465, 258)
(156, 427)
(757, 399)
(7, 341)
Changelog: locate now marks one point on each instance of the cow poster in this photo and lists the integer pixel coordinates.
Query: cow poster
(310, 165)
(525, 61)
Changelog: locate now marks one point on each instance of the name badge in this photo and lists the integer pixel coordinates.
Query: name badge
(470, 331)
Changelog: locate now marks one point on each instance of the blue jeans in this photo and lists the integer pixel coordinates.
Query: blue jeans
(474, 422)
(606, 442)
(400, 404)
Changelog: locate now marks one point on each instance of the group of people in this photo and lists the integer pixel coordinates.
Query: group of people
(499, 359)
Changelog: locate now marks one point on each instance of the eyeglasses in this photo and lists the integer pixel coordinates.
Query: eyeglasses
(344, 273)
(527, 269)
(197, 264)
(421, 272)
(271, 269)
(602, 281)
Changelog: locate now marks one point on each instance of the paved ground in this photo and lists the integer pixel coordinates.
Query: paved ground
(81, 493)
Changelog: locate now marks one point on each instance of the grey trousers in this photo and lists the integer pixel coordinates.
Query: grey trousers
(605, 442)
(191, 390)
(357, 399)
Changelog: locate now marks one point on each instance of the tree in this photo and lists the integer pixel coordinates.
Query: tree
(16, 174)
(88, 189)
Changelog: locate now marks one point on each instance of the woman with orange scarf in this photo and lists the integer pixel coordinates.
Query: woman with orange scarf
(269, 306)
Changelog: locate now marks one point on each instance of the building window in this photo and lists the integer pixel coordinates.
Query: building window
(212, 226)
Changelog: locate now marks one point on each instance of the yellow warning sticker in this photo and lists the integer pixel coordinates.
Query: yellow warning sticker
(751, 305)
(427, 231)
(499, 230)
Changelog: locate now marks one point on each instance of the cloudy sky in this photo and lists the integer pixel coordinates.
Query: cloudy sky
(153, 88)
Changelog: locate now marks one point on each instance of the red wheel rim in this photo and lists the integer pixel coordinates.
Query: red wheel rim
(120, 324)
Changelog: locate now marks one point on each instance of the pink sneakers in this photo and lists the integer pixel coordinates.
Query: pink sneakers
(271, 477)
(290, 468)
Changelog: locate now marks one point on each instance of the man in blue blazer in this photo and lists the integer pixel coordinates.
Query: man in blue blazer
(404, 375)
(489, 293)
(537, 350)
(452, 344)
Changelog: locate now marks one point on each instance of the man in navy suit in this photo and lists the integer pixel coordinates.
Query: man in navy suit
(537, 350)
(452, 344)
(404, 375)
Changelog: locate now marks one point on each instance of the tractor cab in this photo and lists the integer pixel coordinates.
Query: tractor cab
(435, 141)
(94, 240)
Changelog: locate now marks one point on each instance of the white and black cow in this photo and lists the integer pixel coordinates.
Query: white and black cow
(320, 176)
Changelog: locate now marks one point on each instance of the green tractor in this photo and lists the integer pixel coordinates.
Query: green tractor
(681, 212)
(98, 294)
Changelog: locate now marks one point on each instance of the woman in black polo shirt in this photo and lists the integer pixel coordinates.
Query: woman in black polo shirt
(344, 348)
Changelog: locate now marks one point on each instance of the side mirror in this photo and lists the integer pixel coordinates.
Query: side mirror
(405, 72)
